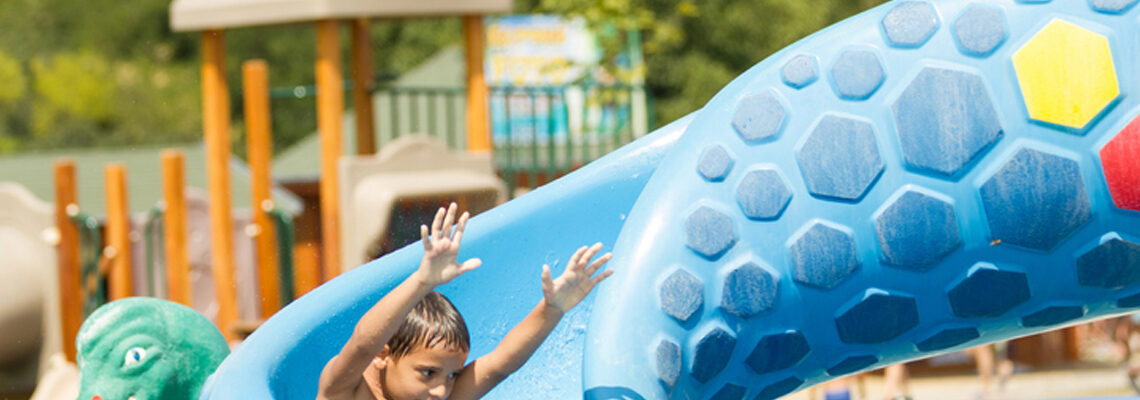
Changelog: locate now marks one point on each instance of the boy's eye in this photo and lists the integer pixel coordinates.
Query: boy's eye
(426, 372)
(453, 375)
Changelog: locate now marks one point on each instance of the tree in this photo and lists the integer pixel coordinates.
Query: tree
(693, 49)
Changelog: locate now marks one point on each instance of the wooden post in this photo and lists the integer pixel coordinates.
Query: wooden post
(174, 227)
(70, 293)
(330, 110)
(478, 129)
(259, 147)
(306, 259)
(118, 232)
(362, 86)
(216, 122)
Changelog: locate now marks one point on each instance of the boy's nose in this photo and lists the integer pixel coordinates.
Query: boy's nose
(439, 392)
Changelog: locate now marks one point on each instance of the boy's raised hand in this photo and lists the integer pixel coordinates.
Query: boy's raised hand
(441, 249)
(577, 281)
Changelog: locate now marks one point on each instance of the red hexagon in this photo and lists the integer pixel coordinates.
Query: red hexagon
(1121, 161)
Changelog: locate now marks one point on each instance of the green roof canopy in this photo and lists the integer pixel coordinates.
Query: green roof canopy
(34, 170)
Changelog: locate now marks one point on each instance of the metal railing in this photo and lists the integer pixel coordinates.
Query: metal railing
(92, 278)
(539, 132)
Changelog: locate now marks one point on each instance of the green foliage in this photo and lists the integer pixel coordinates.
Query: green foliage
(111, 73)
(12, 74)
(71, 87)
(694, 48)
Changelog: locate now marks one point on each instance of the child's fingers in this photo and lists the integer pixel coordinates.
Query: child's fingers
(601, 277)
(459, 229)
(448, 221)
(590, 253)
(599, 263)
(435, 224)
(470, 265)
(547, 282)
(462, 221)
(424, 237)
(573, 264)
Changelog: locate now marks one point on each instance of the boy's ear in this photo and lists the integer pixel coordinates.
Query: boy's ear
(381, 360)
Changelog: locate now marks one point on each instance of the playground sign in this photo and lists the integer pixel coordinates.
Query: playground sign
(538, 50)
(548, 83)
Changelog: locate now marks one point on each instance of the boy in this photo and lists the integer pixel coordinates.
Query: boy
(413, 343)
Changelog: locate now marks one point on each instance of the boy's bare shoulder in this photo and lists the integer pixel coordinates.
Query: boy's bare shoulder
(366, 389)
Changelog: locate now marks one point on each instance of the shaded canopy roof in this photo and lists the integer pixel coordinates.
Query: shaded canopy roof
(445, 69)
(196, 15)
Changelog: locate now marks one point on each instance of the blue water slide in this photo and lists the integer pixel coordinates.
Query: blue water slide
(283, 358)
(921, 178)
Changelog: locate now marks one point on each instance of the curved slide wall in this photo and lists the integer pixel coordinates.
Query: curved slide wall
(921, 178)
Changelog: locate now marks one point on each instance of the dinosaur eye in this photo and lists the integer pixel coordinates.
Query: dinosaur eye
(134, 356)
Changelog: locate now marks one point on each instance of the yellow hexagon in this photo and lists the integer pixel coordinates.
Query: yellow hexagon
(1066, 74)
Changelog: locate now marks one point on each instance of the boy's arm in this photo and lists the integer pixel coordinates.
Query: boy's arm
(559, 296)
(342, 374)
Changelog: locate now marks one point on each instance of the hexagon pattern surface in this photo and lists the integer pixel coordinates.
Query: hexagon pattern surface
(857, 74)
(759, 117)
(945, 119)
(980, 29)
(963, 163)
(840, 158)
(1066, 74)
(916, 230)
(1118, 160)
(1035, 200)
(823, 255)
(910, 24)
(878, 316)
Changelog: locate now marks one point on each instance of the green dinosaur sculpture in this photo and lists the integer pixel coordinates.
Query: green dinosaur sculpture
(146, 349)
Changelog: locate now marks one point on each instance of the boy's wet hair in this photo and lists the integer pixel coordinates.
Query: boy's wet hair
(431, 322)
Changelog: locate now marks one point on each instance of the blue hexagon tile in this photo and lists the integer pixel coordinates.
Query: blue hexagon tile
(857, 73)
(945, 120)
(1035, 200)
(840, 158)
(800, 71)
(916, 229)
(980, 29)
(910, 23)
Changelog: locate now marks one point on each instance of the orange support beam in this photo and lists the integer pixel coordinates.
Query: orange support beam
(330, 109)
(306, 259)
(70, 293)
(174, 227)
(362, 86)
(118, 233)
(259, 147)
(216, 122)
(478, 128)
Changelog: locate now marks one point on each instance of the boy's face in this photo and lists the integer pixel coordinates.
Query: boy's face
(425, 373)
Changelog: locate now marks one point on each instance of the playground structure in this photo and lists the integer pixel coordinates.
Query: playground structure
(31, 248)
(724, 267)
(412, 169)
(31, 293)
(921, 178)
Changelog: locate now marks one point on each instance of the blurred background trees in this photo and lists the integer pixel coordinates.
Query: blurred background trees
(111, 73)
